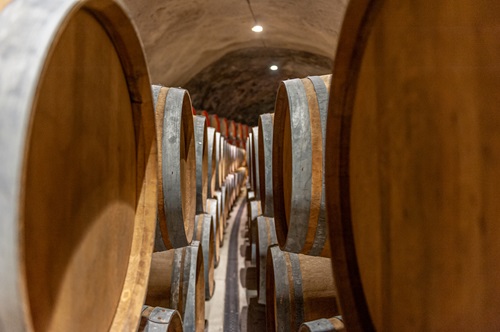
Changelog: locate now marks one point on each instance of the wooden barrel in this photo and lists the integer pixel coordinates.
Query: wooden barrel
(222, 218)
(266, 237)
(247, 149)
(214, 210)
(224, 127)
(414, 157)
(250, 161)
(229, 157)
(223, 159)
(266, 163)
(218, 162)
(205, 114)
(223, 213)
(78, 167)
(298, 160)
(214, 122)
(255, 161)
(238, 157)
(236, 187)
(232, 129)
(245, 131)
(250, 197)
(241, 157)
(240, 180)
(239, 131)
(230, 191)
(176, 166)
(159, 319)
(177, 282)
(211, 162)
(201, 149)
(242, 177)
(333, 324)
(204, 233)
(299, 288)
(255, 211)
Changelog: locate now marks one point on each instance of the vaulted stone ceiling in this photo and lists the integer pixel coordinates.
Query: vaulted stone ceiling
(208, 47)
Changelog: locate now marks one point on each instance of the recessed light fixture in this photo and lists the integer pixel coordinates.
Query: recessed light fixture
(273, 67)
(257, 28)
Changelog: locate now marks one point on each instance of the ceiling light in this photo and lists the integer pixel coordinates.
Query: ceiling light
(257, 28)
(273, 67)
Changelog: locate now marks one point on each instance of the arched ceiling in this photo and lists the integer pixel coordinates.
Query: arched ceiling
(187, 38)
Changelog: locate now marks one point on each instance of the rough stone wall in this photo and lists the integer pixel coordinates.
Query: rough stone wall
(240, 86)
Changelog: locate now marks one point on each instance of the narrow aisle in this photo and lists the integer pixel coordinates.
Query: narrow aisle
(232, 296)
(217, 311)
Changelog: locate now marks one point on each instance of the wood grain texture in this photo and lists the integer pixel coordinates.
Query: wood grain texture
(160, 319)
(160, 279)
(201, 143)
(266, 237)
(177, 165)
(266, 122)
(414, 161)
(204, 233)
(78, 167)
(218, 162)
(251, 162)
(299, 288)
(298, 165)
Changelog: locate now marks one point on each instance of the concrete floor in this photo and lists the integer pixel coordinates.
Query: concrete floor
(251, 315)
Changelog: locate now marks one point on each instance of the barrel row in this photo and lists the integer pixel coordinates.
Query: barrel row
(411, 150)
(235, 132)
(200, 176)
(286, 210)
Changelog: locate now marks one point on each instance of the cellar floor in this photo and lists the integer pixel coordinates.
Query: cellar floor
(234, 306)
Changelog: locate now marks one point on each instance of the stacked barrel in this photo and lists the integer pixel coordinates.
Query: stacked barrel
(234, 132)
(286, 210)
(198, 183)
